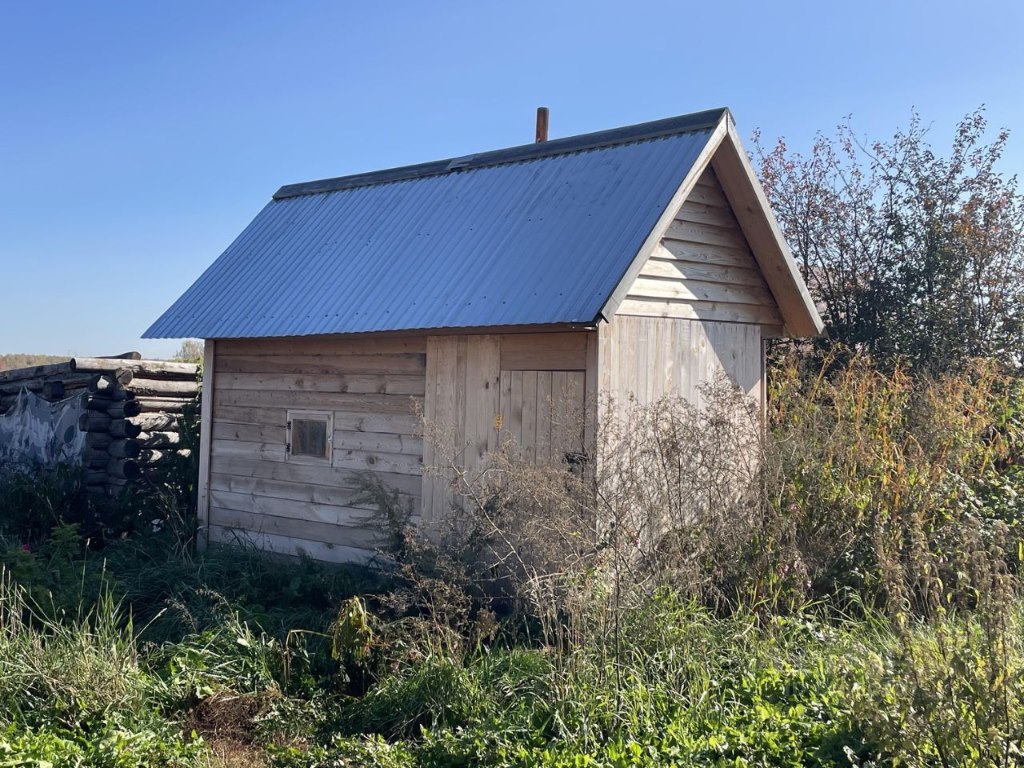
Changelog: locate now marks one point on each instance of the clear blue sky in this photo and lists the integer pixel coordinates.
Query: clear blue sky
(137, 139)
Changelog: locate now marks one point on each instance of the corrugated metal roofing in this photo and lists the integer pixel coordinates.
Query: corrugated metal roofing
(540, 234)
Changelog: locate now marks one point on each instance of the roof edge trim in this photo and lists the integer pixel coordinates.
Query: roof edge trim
(641, 132)
(757, 220)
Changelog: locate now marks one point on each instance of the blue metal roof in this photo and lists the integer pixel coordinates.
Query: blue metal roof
(540, 234)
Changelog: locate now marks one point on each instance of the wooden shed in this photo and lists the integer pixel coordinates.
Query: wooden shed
(495, 293)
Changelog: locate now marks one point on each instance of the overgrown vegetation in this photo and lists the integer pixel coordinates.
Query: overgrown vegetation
(844, 595)
(917, 255)
(841, 589)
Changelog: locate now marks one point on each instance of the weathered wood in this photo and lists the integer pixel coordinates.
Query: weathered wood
(679, 358)
(317, 400)
(98, 404)
(482, 403)
(97, 440)
(736, 176)
(94, 422)
(39, 385)
(240, 414)
(35, 372)
(372, 392)
(699, 290)
(285, 545)
(681, 269)
(698, 213)
(161, 387)
(704, 253)
(379, 442)
(150, 369)
(94, 459)
(249, 465)
(258, 433)
(390, 384)
(337, 495)
(702, 233)
(544, 352)
(754, 314)
(124, 449)
(541, 451)
(122, 428)
(666, 220)
(325, 347)
(341, 532)
(296, 510)
(152, 456)
(107, 386)
(158, 439)
(241, 448)
(703, 269)
(153, 422)
(376, 461)
(326, 365)
(125, 469)
(530, 410)
(124, 409)
(391, 423)
(95, 477)
(12, 389)
(167, 404)
(53, 390)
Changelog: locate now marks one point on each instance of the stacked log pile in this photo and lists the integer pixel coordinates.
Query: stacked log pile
(132, 410)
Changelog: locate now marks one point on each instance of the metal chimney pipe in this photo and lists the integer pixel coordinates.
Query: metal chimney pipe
(542, 124)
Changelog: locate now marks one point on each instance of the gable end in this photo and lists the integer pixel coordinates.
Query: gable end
(703, 268)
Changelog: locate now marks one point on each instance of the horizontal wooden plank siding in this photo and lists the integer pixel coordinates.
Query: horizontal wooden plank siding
(703, 268)
(372, 388)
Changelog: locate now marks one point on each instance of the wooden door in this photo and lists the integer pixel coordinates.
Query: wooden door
(543, 413)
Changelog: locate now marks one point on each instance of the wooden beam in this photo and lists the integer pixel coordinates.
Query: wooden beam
(205, 442)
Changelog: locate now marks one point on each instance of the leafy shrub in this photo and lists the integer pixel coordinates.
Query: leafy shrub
(872, 471)
(111, 746)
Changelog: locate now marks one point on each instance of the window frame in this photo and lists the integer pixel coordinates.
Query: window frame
(327, 417)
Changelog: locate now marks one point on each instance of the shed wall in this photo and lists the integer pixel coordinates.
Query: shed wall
(475, 392)
(699, 309)
(483, 391)
(703, 268)
(647, 358)
(373, 388)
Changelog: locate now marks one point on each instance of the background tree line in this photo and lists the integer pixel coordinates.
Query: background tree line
(13, 361)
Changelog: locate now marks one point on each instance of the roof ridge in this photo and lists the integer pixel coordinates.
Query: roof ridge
(670, 126)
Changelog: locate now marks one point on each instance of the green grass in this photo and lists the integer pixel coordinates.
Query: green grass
(251, 666)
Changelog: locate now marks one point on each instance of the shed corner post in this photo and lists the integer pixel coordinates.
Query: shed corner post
(205, 443)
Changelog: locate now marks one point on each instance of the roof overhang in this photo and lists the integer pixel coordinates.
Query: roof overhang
(750, 206)
(724, 153)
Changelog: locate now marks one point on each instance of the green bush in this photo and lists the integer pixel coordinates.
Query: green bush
(872, 473)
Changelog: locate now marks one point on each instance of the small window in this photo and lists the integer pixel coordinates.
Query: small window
(309, 435)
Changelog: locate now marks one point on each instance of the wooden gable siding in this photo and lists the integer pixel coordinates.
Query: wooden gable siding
(643, 359)
(703, 268)
(373, 389)
(482, 391)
